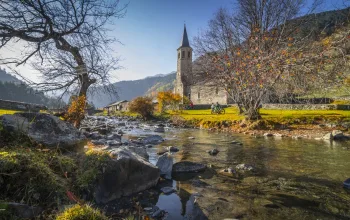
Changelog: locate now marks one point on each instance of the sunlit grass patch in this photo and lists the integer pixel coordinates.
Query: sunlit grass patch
(9, 112)
(274, 115)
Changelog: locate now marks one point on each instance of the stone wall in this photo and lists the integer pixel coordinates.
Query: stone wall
(306, 106)
(21, 106)
(207, 95)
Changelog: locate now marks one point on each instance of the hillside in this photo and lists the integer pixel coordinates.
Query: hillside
(5, 77)
(14, 89)
(128, 90)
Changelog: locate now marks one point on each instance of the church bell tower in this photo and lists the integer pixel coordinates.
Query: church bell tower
(184, 67)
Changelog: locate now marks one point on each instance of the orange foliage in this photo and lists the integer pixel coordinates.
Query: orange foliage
(142, 106)
(76, 110)
(168, 99)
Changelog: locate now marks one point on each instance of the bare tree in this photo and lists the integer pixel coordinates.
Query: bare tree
(66, 40)
(260, 49)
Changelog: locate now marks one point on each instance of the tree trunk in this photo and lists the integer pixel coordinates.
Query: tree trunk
(253, 114)
(240, 108)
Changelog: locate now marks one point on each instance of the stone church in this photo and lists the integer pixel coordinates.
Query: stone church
(190, 82)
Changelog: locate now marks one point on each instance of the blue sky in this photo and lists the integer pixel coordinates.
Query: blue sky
(151, 32)
(152, 29)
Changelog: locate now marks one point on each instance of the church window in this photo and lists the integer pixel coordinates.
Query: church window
(178, 56)
(189, 54)
(183, 54)
(217, 91)
(199, 95)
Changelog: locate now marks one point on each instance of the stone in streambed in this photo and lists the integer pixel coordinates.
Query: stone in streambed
(167, 190)
(213, 152)
(173, 149)
(153, 139)
(188, 167)
(165, 165)
(125, 173)
(346, 184)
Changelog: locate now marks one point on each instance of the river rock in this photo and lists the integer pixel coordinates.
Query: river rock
(173, 149)
(21, 210)
(98, 142)
(346, 184)
(268, 135)
(162, 151)
(114, 136)
(159, 214)
(213, 152)
(191, 138)
(95, 135)
(245, 167)
(153, 139)
(44, 129)
(167, 190)
(236, 142)
(112, 143)
(188, 167)
(126, 173)
(142, 152)
(165, 165)
(338, 135)
(328, 136)
(279, 135)
(230, 172)
(159, 129)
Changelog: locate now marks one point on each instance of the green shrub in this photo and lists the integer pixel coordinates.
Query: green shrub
(81, 212)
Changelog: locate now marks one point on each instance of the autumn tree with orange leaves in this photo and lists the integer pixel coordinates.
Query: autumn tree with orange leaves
(169, 100)
(256, 51)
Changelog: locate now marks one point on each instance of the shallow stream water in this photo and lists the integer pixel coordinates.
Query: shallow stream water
(294, 178)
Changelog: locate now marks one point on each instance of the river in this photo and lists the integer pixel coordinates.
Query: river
(294, 178)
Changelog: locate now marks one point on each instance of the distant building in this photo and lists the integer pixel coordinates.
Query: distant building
(192, 84)
(118, 106)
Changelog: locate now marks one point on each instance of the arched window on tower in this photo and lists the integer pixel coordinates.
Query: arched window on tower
(217, 91)
(189, 54)
(183, 54)
(178, 56)
(199, 95)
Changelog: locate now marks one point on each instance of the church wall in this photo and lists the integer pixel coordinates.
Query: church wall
(208, 95)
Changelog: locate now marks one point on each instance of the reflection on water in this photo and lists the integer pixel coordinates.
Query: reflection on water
(296, 178)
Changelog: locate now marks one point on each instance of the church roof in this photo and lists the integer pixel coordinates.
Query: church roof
(185, 42)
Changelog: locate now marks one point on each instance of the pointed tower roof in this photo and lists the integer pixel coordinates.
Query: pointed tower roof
(185, 42)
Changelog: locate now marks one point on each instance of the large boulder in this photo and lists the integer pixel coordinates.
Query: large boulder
(188, 167)
(165, 164)
(43, 129)
(140, 151)
(126, 174)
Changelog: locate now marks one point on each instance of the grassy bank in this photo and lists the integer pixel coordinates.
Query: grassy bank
(271, 119)
(277, 115)
(5, 111)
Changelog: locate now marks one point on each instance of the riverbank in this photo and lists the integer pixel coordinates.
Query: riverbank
(280, 123)
(117, 173)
